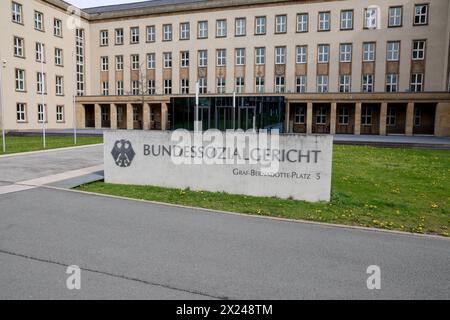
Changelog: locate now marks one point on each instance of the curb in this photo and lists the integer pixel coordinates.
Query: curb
(49, 150)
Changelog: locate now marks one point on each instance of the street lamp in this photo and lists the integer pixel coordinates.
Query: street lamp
(1, 104)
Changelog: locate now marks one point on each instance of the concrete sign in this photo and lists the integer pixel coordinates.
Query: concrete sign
(236, 162)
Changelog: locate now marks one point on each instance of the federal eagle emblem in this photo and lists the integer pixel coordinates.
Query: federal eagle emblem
(123, 153)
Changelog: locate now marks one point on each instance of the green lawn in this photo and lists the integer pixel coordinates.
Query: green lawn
(16, 144)
(401, 189)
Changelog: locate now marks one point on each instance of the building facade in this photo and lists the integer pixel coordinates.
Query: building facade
(339, 67)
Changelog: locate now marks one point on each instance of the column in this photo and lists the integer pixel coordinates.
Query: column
(409, 119)
(383, 114)
(80, 116)
(358, 118)
(146, 116)
(309, 117)
(98, 116)
(287, 128)
(164, 117)
(130, 122)
(113, 115)
(442, 121)
(333, 118)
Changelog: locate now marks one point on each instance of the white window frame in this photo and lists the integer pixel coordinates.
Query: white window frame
(134, 35)
(300, 115)
(281, 23)
(203, 58)
(184, 86)
(240, 56)
(40, 52)
(260, 25)
(221, 88)
(119, 36)
(392, 82)
(20, 80)
(167, 86)
(135, 62)
(260, 56)
(59, 85)
(366, 116)
(221, 57)
(300, 83)
(17, 12)
(368, 83)
(57, 28)
(167, 60)
(221, 28)
(38, 21)
(346, 19)
(19, 47)
(42, 113)
(21, 112)
(280, 84)
(324, 21)
(185, 31)
(59, 57)
(151, 33)
(41, 82)
(260, 84)
(60, 114)
(301, 54)
(202, 30)
(371, 18)
(104, 38)
(185, 59)
(151, 87)
(151, 61)
(167, 32)
(345, 81)
(240, 27)
(119, 63)
(119, 88)
(323, 52)
(419, 49)
(104, 63)
(322, 83)
(345, 52)
(203, 85)
(369, 51)
(393, 51)
(302, 22)
(343, 116)
(280, 55)
(417, 82)
(239, 84)
(105, 88)
(321, 115)
(395, 16)
(418, 15)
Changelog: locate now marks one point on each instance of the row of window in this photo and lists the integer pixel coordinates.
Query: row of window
(41, 80)
(17, 17)
(371, 21)
(40, 52)
(322, 85)
(343, 116)
(21, 113)
(301, 54)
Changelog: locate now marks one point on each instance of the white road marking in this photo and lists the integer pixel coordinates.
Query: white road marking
(34, 183)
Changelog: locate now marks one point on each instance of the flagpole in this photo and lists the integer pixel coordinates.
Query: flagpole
(234, 110)
(43, 99)
(1, 105)
(74, 88)
(197, 98)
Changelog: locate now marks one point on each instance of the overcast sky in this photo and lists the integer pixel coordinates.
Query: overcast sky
(98, 3)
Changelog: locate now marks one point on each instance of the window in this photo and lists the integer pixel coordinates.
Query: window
(79, 60)
(184, 86)
(151, 34)
(343, 116)
(202, 58)
(391, 82)
(59, 113)
(367, 83)
(40, 81)
(220, 85)
(260, 55)
(240, 29)
(221, 57)
(151, 87)
(134, 31)
(368, 51)
(120, 88)
(324, 21)
(417, 117)
(280, 24)
(105, 88)
(371, 18)
(366, 116)
(185, 31)
(21, 115)
(301, 54)
(104, 38)
(300, 115)
(39, 21)
(203, 85)
(417, 82)
(322, 83)
(280, 55)
(347, 20)
(40, 52)
(19, 47)
(259, 84)
(57, 27)
(344, 83)
(59, 82)
(168, 86)
(345, 52)
(421, 14)
(167, 32)
(41, 113)
(135, 88)
(221, 28)
(167, 57)
(135, 62)
(240, 85)
(119, 63)
(391, 116)
(20, 80)
(58, 57)
(321, 115)
(104, 63)
(393, 51)
(151, 61)
(203, 30)
(300, 84)
(184, 59)
(302, 22)
(280, 84)
(395, 16)
(119, 37)
(17, 12)
(240, 56)
(260, 25)
(323, 53)
(418, 50)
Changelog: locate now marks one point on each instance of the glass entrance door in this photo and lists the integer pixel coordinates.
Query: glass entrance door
(224, 118)
(247, 119)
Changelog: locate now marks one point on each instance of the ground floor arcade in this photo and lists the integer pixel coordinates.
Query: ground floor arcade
(359, 114)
